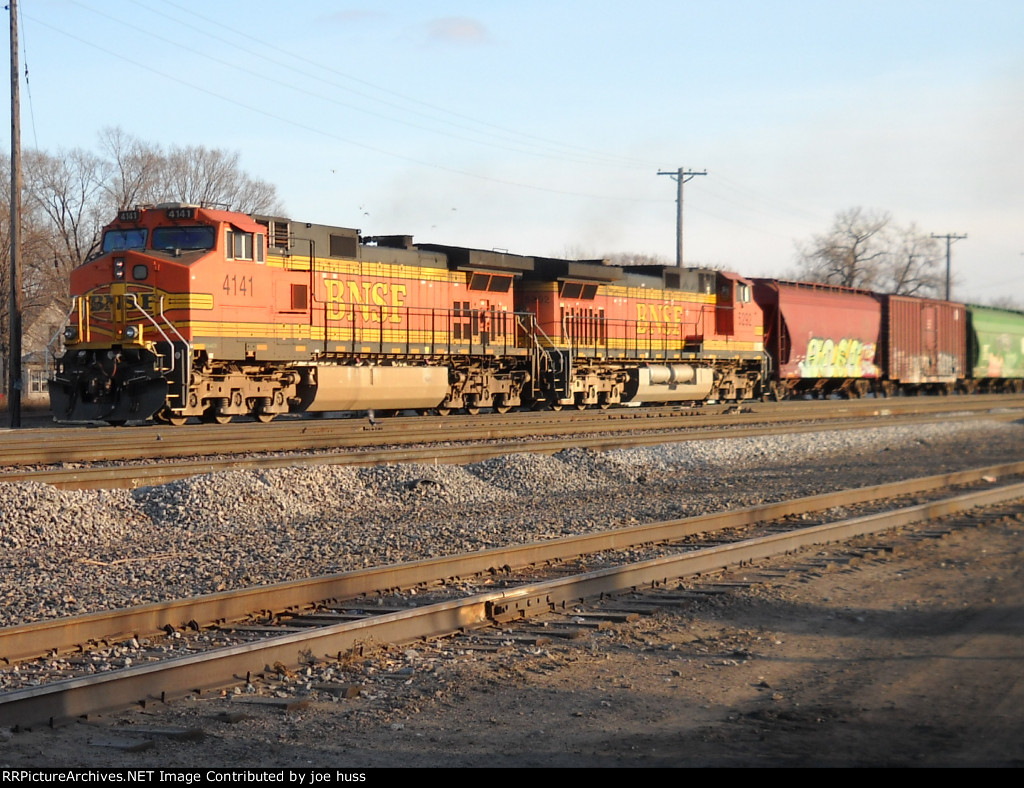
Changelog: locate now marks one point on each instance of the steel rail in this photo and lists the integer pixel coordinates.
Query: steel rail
(60, 701)
(92, 444)
(135, 476)
(25, 641)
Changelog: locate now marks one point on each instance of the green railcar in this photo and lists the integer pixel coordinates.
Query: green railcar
(996, 347)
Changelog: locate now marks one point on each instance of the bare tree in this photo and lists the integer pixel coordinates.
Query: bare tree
(915, 264)
(136, 169)
(204, 176)
(42, 278)
(626, 259)
(866, 249)
(65, 192)
(853, 253)
(142, 173)
(69, 196)
(1006, 302)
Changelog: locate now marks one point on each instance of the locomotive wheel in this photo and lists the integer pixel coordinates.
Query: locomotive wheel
(502, 408)
(259, 409)
(443, 411)
(473, 411)
(216, 418)
(169, 417)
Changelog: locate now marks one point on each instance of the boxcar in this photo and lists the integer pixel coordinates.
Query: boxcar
(924, 344)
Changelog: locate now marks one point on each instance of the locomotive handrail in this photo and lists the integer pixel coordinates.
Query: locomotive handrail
(386, 324)
(59, 331)
(135, 302)
(598, 332)
(186, 355)
(170, 324)
(538, 330)
(554, 361)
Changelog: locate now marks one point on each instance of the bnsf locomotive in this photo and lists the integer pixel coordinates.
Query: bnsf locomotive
(194, 312)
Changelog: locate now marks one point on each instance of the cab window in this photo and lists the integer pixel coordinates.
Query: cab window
(244, 246)
(186, 239)
(119, 240)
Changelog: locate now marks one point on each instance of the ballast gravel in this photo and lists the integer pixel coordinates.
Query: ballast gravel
(71, 552)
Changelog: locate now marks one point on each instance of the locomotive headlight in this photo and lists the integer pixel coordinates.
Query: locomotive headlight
(118, 268)
(131, 332)
(70, 333)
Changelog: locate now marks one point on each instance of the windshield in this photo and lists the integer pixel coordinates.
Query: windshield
(184, 238)
(119, 240)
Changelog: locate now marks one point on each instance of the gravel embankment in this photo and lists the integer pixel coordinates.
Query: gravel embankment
(72, 552)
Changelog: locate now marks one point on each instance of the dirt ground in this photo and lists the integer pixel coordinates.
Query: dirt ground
(911, 657)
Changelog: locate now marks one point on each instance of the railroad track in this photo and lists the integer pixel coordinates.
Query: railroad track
(316, 618)
(126, 458)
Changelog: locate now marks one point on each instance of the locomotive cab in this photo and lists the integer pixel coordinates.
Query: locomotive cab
(128, 344)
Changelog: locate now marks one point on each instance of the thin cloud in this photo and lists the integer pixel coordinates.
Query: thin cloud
(354, 15)
(457, 29)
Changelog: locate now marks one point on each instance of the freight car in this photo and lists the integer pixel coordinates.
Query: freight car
(821, 339)
(825, 339)
(995, 340)
(924, 345)
(190, 311)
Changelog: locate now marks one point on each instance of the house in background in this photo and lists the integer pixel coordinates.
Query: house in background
(37, 358)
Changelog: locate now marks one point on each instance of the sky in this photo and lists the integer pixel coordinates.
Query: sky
(540, 126)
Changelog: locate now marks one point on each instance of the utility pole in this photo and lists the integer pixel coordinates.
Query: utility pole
(14, 385)
(680, 176)
(950, 237)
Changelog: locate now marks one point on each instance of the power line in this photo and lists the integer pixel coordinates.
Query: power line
(330, 135)
(680, 176)
(542, 146)
(950, 237)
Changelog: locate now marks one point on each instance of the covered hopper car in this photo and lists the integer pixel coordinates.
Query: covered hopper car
(821, 339)
(995, 341)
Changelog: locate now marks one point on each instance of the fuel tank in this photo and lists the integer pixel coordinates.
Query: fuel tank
(673, 383)
(372, 387)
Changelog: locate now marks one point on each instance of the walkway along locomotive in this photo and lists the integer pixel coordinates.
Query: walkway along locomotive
(194, 312)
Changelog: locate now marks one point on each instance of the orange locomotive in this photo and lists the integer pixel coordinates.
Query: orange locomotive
(646, 333)
(194, 312)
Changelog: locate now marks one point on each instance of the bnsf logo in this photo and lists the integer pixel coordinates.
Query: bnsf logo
(107, 305)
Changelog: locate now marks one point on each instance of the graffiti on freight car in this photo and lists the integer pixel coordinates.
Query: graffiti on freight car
(1002, 355)
(846, 358)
